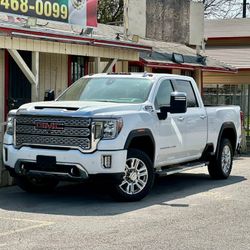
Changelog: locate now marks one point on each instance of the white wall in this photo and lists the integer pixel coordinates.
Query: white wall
(136, 17)
(196, 23)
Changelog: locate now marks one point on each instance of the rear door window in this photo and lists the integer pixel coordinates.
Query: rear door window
(186, 87)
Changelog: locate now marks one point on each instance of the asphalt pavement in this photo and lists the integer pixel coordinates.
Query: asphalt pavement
(184, 211)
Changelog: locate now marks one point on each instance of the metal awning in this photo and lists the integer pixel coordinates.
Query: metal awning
(54, 41)
(190, 62)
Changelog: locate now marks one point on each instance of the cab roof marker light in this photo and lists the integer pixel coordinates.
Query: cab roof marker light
(146, 74)
(119, 73)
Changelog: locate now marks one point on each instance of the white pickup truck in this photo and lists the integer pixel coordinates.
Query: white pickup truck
(125, 128)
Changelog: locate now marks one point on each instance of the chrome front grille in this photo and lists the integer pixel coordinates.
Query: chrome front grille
(68, 122)
(72, 131)
(53, 132)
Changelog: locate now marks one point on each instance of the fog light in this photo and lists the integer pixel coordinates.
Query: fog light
(107, 161)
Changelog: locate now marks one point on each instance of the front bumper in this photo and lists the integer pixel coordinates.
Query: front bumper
(87, 164)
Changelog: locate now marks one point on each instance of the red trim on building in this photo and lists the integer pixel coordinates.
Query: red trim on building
(69, 70)
(187, 67)
(92, 13)
(140, 63)
(218, 70)
(168, 66)
(69, 39)
(6, 83)
(244, 69)
(229, 38)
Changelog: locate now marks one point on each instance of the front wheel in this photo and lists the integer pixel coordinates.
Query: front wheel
(138, 178)
(221, 166)
(36, 185)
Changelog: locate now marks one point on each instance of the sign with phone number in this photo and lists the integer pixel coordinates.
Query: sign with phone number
(67, 11)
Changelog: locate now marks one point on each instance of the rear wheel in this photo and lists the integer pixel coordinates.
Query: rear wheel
(221, 166)
(36, 185)
(138, 178)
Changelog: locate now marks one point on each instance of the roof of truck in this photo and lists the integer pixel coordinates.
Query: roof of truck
(154, 76)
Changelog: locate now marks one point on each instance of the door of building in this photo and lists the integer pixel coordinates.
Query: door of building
(19, 88)
(79, 68)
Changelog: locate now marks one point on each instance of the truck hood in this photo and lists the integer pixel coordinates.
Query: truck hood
(78, 108)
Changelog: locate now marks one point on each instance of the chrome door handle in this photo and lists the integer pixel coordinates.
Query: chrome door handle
(203, 117)
(181, 119)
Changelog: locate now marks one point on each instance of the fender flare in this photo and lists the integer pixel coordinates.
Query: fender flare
(139, 133)
(224, 126)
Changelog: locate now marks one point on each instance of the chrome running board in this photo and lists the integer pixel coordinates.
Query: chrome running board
(180, 168)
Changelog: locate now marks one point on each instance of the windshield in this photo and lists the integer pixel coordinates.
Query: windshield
(120, 90)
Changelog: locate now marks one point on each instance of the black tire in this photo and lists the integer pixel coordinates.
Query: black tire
(138, 181)
(221, 166)
(36, 185)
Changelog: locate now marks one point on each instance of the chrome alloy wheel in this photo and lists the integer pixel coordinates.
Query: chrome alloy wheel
(135, 178)
(226, 159)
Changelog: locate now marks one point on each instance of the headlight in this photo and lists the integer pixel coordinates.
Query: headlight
(108, 129)
(10, 125)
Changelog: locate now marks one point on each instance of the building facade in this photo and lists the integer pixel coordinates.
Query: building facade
(229, 41)
(35, 60)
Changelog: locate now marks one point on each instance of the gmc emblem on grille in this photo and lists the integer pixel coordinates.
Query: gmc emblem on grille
(49, 125)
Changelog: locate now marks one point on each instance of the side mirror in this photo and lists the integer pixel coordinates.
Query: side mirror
(178, 105)
(49, 95)
(163, 112)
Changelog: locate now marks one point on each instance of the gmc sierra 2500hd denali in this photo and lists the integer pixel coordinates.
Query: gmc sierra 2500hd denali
(126, 126)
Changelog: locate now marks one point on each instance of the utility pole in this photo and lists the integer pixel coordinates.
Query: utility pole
(244, 8)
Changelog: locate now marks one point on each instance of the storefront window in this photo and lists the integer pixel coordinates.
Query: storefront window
(135, 68)
(187, 73)
(78, 67)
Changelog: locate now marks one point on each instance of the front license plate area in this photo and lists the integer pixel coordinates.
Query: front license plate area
(44, 162)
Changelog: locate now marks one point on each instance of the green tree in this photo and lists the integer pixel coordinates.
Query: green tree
(110, 11)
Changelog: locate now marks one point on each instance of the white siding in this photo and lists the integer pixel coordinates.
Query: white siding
(68, 48)
(121, 66)
(237, 57)
(53, 73)
(236, 27)
(242, 77)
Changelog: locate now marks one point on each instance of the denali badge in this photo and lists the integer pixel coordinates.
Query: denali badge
(49, 125)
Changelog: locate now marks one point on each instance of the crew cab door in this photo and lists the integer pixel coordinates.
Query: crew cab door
(170, 131)
(194, 121)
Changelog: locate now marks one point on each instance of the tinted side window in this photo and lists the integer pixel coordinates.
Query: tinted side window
(186, 87)
(163, 94)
